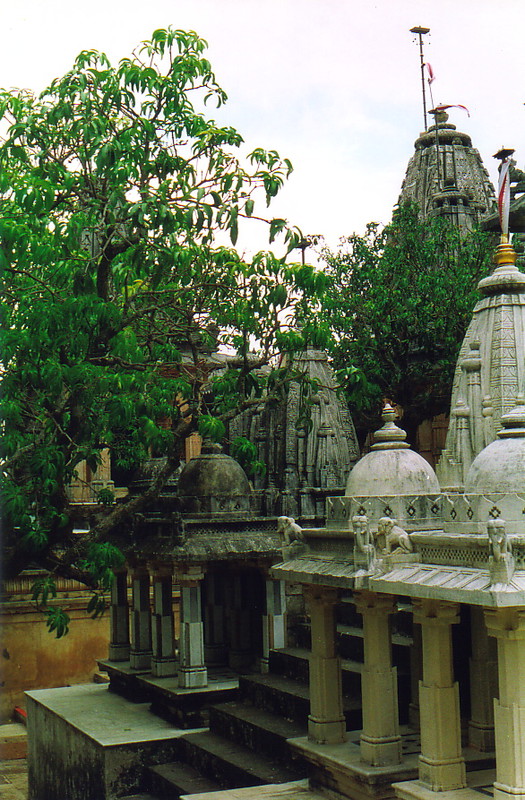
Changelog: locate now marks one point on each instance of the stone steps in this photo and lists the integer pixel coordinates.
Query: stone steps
(229, 764)
(293, 663)
(169, 781)
(289, 699)
(246, 744)
(142, 796)
(257, 729)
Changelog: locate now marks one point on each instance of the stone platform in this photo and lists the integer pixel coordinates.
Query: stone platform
(479, 786)
(183, 707)
(93, 743)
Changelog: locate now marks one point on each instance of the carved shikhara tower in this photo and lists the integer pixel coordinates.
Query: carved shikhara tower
(307, 460)
(446, 177)
(490, 371)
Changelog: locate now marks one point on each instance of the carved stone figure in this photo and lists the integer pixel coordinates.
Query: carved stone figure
(361, 532)
(499, 541)
(501, 561)
(290, 531)
(364, 550)
(396, 539)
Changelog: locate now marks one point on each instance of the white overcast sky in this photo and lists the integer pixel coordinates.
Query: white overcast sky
(334, 85)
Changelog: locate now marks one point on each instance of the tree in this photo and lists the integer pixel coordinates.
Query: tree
(399, 300)
(114, 185)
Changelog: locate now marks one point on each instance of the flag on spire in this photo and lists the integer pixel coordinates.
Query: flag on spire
(444, 108)
(504, 196)
(430, 72)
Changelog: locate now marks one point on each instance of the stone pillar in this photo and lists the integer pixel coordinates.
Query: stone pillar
(164, 662)
(483, 683)
(192, 669)
(441, 763)
(326, 722)
(119, 619)
(140, 653)
(214, 619)
(273, 620)
(380, 739)
(416, 674)
(508, 626)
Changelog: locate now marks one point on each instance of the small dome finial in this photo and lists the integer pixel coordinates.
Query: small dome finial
(390, 436)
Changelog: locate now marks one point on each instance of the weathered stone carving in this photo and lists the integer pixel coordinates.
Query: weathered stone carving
(364, 549)
(396, 539)
(501, 561)
(292, 537)
(289, 530)
(306, 463)
(446, 176)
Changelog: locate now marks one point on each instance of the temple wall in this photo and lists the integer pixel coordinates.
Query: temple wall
(31, 657)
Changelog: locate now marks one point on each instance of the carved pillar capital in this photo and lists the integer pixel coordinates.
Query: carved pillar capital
(160, 569)
(190, 575)
(370, 603)
(435, 612)
(505, 623)
(320, 596)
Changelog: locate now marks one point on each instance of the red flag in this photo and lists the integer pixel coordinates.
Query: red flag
(444, 108)
(431, 76)
(504, 196)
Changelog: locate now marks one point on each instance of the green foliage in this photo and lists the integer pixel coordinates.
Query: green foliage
(97, 605)
(102, 559)
(106, 497)
(58, 621)
(42, 589)
(245, 452)
(211, 428)
(114, 184)
(399, 301)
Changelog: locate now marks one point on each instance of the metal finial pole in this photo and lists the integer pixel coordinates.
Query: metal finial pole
(421, 32)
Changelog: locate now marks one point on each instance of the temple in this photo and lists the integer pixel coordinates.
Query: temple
(372, 651)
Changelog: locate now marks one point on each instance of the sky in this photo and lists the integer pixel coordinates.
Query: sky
(334, 85)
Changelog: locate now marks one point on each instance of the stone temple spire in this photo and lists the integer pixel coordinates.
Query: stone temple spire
(490, 371)
(446, 176)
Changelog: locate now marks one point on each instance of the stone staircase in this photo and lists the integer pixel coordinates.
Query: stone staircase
(247, 740)
(246, 744)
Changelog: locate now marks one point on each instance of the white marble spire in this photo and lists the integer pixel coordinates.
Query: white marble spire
(490, 372)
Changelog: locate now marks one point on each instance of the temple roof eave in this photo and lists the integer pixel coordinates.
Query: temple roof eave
(418, 581)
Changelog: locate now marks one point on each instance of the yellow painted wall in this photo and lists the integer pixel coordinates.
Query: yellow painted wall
(31, 657)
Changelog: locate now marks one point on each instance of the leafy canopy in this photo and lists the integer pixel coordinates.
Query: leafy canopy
(399, 302)
(114, 186)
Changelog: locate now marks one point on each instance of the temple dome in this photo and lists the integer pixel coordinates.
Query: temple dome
(214, 482)
(500, 467)
(391, 468)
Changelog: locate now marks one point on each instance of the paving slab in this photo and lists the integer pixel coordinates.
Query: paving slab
(13, 741)
(295, 790)
(13, 779)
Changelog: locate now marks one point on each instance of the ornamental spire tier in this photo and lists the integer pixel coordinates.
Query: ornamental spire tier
(446, 176)
(490, 371)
